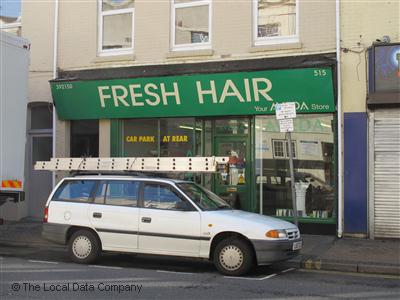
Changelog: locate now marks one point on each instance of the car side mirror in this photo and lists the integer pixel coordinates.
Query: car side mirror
(183, 206)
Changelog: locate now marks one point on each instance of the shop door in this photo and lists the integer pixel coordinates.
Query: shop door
(233, 184)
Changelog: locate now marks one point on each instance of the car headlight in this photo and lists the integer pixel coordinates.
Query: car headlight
(276, 234)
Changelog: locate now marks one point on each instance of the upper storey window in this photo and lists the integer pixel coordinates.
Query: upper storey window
(191, 24)
(116, 27)
(275, 21)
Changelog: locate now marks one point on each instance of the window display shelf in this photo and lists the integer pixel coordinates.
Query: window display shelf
(310, 220)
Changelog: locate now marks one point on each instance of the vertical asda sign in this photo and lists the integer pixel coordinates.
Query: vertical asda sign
(243, 93)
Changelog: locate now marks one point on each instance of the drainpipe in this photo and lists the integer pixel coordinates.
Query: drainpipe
(55, 51)
(339, 111)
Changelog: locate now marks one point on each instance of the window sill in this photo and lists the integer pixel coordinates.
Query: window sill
(275, 47)
(114, 58)
(190, 53)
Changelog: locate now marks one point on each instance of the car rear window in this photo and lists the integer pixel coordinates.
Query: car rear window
(74, 191)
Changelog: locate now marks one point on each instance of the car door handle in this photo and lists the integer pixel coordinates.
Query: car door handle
(97, 215)
(146, 220)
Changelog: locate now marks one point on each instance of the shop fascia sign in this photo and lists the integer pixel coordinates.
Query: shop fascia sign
(243, 93)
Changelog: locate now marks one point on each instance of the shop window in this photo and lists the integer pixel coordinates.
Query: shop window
(140, 138)
(176, 137)
(275, 21)
(232, 126)
(173, 137)
(116, 26)
(313, 145)
(164, 137)
(191, 24)
(84, 138)
(207, 178)
(208, 135)
(198, 151)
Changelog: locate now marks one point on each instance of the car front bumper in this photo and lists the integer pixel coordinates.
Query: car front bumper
(268, 252)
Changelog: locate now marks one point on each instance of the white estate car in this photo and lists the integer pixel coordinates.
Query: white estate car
(162, 216)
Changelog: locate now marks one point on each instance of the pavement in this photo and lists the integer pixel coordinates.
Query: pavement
(320, 252)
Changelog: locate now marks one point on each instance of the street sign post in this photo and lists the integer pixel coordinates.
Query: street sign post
(289, 138)
(285, 113)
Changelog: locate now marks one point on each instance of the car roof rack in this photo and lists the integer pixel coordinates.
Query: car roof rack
(113, 173)
(132, 165)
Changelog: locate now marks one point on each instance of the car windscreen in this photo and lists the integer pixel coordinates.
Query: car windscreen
(204, 198)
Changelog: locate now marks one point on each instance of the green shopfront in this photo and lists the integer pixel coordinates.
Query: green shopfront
(224, 113)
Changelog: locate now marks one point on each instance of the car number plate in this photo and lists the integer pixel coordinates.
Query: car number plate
(297, 245)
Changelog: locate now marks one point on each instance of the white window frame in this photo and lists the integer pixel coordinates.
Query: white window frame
(275, 39)
(192, 46)
(282, 143)
(285, 145)
(101, 15)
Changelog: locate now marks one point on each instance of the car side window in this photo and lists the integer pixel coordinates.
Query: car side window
(99, 197)
(118, 192)
(74, 191)
(160, 197)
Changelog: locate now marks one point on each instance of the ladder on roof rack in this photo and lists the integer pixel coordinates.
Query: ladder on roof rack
(140, 164)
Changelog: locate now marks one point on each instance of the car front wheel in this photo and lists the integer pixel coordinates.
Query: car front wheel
(84, 247)
(233, 257)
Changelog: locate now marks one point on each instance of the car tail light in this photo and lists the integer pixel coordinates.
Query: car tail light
(46, 214)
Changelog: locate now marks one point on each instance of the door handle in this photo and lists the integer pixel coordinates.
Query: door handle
(146, 220)
(97, 215)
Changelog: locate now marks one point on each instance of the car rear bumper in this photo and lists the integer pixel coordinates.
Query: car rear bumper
(56, 233)
(268, 252)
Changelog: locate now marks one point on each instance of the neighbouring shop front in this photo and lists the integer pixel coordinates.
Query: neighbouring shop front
(384, 140)
(229, 113)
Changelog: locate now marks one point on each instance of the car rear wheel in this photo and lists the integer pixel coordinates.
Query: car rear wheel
(233, 257)
(84, 247)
